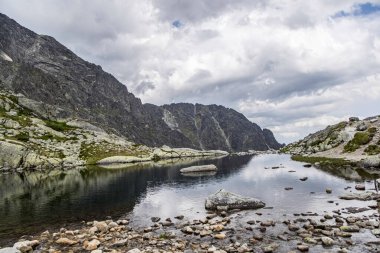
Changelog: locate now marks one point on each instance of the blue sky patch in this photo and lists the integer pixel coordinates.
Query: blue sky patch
(359, 10)
(177, 23)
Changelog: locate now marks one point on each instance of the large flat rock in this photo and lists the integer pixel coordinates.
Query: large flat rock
(201, 168)
(224, 200)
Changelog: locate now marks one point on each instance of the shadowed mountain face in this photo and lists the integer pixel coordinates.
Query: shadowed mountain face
(42, 69)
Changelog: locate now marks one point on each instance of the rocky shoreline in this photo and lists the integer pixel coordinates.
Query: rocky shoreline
(342, 230)
(214, 233)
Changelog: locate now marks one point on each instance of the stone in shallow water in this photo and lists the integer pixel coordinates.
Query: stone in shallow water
(220, 236)
(227, 200)
(327, 241)
(360, 196)
(303, 248)
(360, 187)
(351, 229)
(155, 219)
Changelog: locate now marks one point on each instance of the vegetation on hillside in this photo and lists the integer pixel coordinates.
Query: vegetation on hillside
(360, 138)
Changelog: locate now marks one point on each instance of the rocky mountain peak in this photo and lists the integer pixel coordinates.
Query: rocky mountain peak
(42, 69)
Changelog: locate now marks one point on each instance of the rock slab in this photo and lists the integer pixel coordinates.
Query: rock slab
(201, 168)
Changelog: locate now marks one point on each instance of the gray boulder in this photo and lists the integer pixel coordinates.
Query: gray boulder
(224, 200)
(11, 154)
(353, 119)
(371, 161)
(361, 127)
(201, 168)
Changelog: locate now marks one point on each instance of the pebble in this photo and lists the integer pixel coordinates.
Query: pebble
(135, 250)
(353, 228)
(220, 236)
(303, 248)
(101, 226)
(92, 245)
(155, 219)
(66, 241)
(327, 241)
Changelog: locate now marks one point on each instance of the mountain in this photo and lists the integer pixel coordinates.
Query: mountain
(354, 140)
(42, 69)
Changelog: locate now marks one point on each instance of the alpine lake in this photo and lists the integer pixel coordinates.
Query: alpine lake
(32, 202)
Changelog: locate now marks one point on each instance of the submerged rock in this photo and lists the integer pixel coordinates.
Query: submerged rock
(201, 168)
(224, 200)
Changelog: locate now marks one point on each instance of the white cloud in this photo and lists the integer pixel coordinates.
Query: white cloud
(292, 66)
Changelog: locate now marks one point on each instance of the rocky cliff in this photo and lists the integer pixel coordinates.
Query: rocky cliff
(44, 70)
(28, 141)
(354, 140)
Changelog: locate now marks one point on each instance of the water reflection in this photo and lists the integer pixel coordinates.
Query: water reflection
(34, 201)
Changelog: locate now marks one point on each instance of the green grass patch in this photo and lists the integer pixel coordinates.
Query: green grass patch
(23, 136)
(92, 153)
(58, 126)
(372, 131)
(360, 138)
(372, 150)
(52, 137)
(321, 160)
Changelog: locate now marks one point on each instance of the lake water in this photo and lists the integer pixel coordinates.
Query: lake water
(33, 202)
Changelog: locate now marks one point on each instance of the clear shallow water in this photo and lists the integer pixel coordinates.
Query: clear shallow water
(33, 202)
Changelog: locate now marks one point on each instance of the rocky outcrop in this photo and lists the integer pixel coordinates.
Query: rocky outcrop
(353, 140)
(57, 85)
(11, 154)
(224, 200)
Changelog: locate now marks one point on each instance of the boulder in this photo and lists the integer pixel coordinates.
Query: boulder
(371, 161)
(223, 199)
(201, 168)
(11, 154)
(361, 127)
(122, 159)
(353, 119)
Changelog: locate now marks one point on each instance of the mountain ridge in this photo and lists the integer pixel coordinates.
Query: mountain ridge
(42, 69)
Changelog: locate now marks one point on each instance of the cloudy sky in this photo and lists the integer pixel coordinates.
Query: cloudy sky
(293, 66)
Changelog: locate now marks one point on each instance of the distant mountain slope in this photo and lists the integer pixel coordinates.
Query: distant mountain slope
(42, 69)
